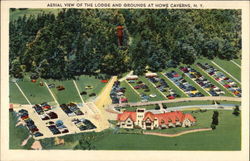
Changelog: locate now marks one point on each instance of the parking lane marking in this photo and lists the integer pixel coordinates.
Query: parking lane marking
(226, 72)
(157, 89)
(175, 85)
(78, 91)
(132, 87)
(51, 93)
(22, 93)
(236, 64)
(197, 84)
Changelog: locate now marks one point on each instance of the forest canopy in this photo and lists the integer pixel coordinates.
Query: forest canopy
(84, 41)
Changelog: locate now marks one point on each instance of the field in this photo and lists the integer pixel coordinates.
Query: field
(226, 136)
(37, 94)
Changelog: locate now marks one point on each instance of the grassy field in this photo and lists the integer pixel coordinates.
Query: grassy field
(85, 81)
(238, 61)
(225, 137)
(65, 96)
(15, 95)
(28, 12)
(17, 134)
(38, 94)
(230, 67)
(130, 93)
(34, 92)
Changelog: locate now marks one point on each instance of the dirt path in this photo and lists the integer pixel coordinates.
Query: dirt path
(178, 134)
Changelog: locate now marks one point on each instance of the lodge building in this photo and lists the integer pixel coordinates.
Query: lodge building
(148, 120)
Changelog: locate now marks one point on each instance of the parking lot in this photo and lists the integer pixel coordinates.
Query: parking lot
(197, 80)
(44, 120)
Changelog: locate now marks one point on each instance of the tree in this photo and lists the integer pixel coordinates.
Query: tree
(77, 42)
(215, 120)
(84, 144)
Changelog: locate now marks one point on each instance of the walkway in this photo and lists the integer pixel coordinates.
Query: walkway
(178, 134)
(104, 98)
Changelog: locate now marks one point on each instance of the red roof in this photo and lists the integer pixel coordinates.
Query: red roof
(173, 117)
(149, 115)
(190, 117)
(125, 115)
(163, 118)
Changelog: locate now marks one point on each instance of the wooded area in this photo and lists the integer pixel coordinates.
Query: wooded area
(84, 41)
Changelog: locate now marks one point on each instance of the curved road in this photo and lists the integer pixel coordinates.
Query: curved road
(208, 98)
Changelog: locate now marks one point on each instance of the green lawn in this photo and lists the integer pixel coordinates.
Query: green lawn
(15, 95)
(230, 67)
(17, 134)
(19, 13)
(238, 61)
(130, 93)
(225, 137)
(92, 81)
(34, 92)
(65, 96)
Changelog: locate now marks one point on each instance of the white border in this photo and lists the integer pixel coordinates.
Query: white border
(25, 155)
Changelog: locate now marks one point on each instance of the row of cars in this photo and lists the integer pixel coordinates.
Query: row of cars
(117, 93)
(186, 87)
(71, 109)
(142, 88)
(57, 127)
(162, 86)
(24, 115)
(221, 78)
(202, 81)
(44, 111)
(83, 124)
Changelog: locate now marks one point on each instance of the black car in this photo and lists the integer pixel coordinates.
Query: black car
(37, 134)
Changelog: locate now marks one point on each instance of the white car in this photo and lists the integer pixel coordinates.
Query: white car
(144, 100)
(152, 95)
